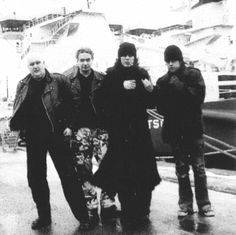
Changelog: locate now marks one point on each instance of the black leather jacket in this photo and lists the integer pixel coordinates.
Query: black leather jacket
(93, 96)
(56, 100)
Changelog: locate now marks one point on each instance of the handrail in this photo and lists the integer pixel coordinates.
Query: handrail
(230, 148)
(227, 91)
(220, 142)
(216, 152)
(220, 150)
(52, 40)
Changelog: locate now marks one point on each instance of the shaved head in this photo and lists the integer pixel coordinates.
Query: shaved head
(33, 56)
(36, 66)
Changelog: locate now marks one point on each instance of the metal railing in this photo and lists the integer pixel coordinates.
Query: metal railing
(229, 151)
(218, 146)
(52, 40)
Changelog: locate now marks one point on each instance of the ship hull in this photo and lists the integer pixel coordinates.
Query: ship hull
(220, 133)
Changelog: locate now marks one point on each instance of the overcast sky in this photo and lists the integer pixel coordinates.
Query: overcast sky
(38, 7)
(129, 12)
(141, 12)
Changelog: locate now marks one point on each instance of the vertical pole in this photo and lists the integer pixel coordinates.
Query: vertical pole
(7, 87)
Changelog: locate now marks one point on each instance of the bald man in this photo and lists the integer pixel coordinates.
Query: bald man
(42, 110)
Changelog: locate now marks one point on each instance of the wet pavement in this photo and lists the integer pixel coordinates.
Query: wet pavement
(17, 209)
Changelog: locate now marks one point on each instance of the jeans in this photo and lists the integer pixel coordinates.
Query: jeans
(191, 152)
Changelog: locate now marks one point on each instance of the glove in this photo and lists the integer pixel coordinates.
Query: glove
(176, 83)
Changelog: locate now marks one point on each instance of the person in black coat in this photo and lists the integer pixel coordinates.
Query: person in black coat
(179, 97)
(129, 166)
(42, 110)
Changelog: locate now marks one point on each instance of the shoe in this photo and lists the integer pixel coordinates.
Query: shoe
(109, 213)
(128, 223)
(142, 220)
(108, 206)
(206, 211)
(40, 223)
(93, 216)
(85, 225)
(184, 212)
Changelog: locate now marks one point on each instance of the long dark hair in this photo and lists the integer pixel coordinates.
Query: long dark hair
(118, 64)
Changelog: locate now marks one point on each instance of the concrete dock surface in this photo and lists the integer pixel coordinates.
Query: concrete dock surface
(17, 209)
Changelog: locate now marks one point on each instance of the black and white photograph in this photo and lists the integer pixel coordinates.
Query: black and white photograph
(118, 117)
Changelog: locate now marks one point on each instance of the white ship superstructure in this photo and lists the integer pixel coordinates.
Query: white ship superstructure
(57, 38)
(208, 40)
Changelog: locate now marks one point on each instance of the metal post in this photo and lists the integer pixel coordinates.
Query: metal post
(7, 87)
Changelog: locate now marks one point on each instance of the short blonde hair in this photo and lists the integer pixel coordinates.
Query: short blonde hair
(84, 50)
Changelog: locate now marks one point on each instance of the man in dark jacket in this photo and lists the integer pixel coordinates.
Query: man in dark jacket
(90, 137)
(42, 110)
(129, 167)
(180, 94)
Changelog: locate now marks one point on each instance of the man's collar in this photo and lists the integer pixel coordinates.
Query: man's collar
(79, 74)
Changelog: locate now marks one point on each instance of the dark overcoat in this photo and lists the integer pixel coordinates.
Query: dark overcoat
(181, 108)
(129, 161)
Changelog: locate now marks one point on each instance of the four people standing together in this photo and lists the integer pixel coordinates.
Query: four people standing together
(88, 115)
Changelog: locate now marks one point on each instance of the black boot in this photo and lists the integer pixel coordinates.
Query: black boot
(43, 220)
(86, 224)
(41, 223)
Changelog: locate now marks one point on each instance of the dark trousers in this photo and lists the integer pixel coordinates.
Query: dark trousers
(135, 203)
(191, 152)
(38, 144)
